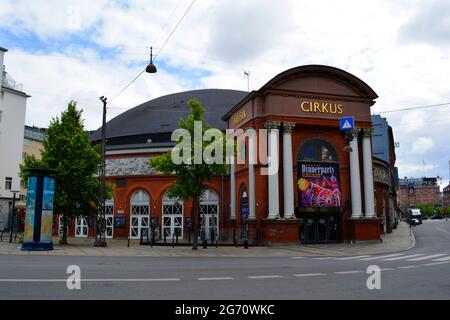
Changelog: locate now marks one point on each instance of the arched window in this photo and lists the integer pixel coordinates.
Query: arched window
(317, 150)
(172, 217)
(140, 213)
(209, 215)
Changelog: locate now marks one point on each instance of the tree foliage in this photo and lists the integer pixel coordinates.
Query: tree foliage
(191, 177)
(67, 149)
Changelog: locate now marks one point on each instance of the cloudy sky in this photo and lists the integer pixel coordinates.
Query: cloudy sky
(67, 49)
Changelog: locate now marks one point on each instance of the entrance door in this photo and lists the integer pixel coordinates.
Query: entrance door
(209, 215)
(140, 214)
(109, 216)
(319, 228)
(81, 227)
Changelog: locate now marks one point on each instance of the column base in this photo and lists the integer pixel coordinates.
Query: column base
(363, 229)
(281, 231)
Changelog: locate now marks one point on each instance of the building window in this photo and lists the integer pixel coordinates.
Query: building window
(317, 150)
(8, 183)
(109, 216)
(209, 215)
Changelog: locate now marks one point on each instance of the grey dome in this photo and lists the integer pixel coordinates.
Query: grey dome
(162, 115)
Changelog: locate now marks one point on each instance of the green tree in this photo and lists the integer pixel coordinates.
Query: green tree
(67, 149)
(192, 175)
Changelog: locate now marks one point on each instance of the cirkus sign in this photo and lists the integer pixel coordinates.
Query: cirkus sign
(241, 116)
(322, 107)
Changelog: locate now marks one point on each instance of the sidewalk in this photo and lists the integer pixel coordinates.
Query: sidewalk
(400, 240)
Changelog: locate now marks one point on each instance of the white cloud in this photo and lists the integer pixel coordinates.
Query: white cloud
(422, 146)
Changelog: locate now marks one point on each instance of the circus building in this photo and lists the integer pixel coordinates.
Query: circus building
(322, 192)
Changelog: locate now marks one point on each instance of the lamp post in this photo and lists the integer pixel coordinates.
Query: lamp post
(100, 236)
(11, 221)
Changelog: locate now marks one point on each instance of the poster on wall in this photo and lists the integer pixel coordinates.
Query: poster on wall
(30, 210)
(319, 185)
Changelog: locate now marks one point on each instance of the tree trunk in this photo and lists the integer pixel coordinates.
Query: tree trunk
(196, 224)
(64, 235)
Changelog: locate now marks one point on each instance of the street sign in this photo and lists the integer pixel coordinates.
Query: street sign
(347, 123)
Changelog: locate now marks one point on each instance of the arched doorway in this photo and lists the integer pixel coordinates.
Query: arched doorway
(319, 192)
(172, 217)
(209, 215)
(140, 213)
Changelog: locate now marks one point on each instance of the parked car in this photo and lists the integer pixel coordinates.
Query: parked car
(437, 217)
(425, 218)
(414, 222)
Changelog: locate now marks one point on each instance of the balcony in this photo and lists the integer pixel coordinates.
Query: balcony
(10, 83)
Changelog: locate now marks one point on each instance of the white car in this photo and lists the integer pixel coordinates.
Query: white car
(415, 222)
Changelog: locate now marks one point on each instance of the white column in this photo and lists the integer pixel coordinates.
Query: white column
(251, 174)
(232, 189)
(369, 196)
(355, 176)
(274, 192)
(288, 174)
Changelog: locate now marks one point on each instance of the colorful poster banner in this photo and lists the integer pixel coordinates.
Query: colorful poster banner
(30, 210)
(319, 185)
(47, 209)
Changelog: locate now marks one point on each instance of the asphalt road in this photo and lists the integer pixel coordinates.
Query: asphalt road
(420, 273)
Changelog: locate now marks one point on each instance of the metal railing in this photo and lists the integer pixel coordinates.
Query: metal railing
(9, 82)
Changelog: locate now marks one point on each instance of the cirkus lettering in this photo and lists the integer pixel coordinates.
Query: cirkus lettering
(322, 107)
(242, 115)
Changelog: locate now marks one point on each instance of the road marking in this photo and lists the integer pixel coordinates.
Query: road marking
(264, 277)
(324, 258)
(387, 269)
(215, 279)
(427, 257)
(310, 275)
(443, 230)
(435, 264)
(90, 280)
(297, 257)
(382, 257)
(408, 267)
(404, 257)
(442, 259)
(348, 272)
(351, 258)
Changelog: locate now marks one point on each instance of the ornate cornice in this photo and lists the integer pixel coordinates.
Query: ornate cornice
(355, 132)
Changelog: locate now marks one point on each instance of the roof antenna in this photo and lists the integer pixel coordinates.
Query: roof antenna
(247, 75)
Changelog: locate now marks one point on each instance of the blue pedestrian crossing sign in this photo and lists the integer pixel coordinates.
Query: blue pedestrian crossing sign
(347, 123)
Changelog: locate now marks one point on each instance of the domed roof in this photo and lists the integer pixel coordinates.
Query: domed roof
(163, 114)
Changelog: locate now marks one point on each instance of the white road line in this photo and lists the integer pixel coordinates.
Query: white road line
(348, 272)
(428, 257)
(382, 257)
(297, 257)
(264, 277)
(442, 259)
(443, 230)
(215, 279)
(387, 269)
(408, 267)
(310, 275)
(324, 258)
(404, 257)
(435, 264)
(351, 258)
(90, 280)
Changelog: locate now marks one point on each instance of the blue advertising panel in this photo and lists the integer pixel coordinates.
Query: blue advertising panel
(30, 210)
(47, 209)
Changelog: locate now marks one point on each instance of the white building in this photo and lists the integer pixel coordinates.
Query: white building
(13, 103)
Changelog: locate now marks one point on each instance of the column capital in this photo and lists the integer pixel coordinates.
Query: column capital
(288, 127)
(271, 125)
(367, 132)
(355, 132)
